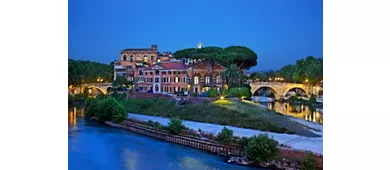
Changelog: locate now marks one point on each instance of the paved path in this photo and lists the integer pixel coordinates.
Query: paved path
(295, 141)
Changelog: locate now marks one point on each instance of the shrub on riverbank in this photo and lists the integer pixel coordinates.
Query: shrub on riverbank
(175, 126)
(261, 148)
(106, 110)
(225, 136)
(309, 162)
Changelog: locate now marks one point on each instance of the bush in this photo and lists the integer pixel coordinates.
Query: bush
(243, 142)
(225, 136)
(261, 148)
(101, 96)
(89, 101)
(309, 162)
(212, 92)
(92, 109)
(106, 110)
(175, 126)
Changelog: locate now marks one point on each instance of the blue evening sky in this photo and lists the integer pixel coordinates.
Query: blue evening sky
(278, 31)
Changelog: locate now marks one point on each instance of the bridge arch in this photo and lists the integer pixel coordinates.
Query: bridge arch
(305, 90)
(268, 87)
(103, 90)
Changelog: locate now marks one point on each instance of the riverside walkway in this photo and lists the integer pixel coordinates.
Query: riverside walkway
(294, 141)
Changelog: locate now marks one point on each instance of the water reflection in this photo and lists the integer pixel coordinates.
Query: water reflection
(73, 113)
(296, 110)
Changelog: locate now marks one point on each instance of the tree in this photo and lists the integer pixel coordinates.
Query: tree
(258, 77)
(261, 148)
(175, 126)
(225, 136)
(120, 81)
(287, 73)
(231, 73)
(242, 56)
(80, 72)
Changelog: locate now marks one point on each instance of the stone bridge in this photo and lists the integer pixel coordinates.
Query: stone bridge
(279, 89)
(103, 87)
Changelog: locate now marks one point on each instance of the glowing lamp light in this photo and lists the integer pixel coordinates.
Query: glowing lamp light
(222, 97)
(243, 97)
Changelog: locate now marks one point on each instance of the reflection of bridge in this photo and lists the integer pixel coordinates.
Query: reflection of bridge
(279, 89)
(103, 87)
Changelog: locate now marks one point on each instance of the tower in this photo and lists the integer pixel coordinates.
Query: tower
(199, 45)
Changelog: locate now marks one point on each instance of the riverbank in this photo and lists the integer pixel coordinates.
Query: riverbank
(223, 112)
(212, 146)
(296, 142)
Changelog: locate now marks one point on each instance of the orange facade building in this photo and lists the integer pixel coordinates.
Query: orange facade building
(154, 72)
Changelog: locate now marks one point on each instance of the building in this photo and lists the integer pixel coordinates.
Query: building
(154, 72)
(134, 59)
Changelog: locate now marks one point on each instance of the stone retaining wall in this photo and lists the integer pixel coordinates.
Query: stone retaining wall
(191, 142)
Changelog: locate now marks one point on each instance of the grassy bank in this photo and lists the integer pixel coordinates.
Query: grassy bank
(224, 112)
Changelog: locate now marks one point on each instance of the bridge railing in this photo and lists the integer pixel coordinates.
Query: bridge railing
(275, 83)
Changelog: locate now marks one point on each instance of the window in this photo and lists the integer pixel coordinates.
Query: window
(218, 80)
(157, 80)
(184, 79)
(138, 57)
(157, 72)
(176, 79)
(153, 57)
(169, 79)
(196, 80)
(163, 73)
(124, 57)
(131, 58)
(169, 72)
(146, 73)
(141, 88)
(176, 89)
(183, 72)
(207, 80)
(145, 58)
(156, 88)
(140, 73)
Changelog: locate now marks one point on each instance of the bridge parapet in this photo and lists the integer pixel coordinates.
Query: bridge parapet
(279, 89)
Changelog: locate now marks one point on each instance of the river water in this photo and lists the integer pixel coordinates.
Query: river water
(296, 110)
(99, 147)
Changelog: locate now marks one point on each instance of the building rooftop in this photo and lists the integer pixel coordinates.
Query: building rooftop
(153, 48)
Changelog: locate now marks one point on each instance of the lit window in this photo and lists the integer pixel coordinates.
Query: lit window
(138, 57)
(176, 79)
(196, 81)
(145, 58)
(207, 80)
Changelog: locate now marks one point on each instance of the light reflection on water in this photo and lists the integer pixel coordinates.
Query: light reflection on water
(296, 110)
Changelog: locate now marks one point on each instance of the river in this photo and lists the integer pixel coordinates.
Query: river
(296, 110)
(96, 146)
